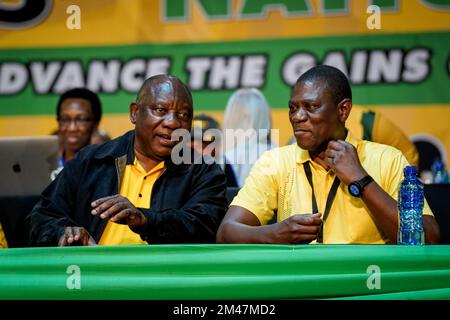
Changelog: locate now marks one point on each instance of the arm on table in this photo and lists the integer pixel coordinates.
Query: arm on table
(242, 226)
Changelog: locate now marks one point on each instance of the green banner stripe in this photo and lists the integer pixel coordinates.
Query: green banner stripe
(166, 272)
(394, 69)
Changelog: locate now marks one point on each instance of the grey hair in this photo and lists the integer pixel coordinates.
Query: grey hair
(247, 109)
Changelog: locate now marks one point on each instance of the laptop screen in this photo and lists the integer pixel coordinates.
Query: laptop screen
(26, 164)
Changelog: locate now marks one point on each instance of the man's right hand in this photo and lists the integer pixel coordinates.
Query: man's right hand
(297, 229)
(241, 226)
(76, 236)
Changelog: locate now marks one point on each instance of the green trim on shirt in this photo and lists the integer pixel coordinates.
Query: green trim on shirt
(367, 121)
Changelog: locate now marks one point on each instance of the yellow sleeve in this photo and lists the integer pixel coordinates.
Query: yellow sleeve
(386, 132)
(259, 194)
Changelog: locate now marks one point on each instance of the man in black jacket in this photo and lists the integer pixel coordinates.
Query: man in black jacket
(128, 191)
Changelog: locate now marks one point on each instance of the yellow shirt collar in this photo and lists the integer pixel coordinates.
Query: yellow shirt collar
(303, 155)
(141, 169)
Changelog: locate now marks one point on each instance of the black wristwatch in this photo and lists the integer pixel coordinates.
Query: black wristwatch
(356, 187)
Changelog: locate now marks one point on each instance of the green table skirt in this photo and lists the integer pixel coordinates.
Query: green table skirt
(169, 272)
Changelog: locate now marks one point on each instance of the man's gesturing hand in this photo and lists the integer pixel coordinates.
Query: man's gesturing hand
(118, 209)
(299, 228)
(343, 159)
(76, 236)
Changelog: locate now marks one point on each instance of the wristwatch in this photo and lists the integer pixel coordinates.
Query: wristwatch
(356, 187)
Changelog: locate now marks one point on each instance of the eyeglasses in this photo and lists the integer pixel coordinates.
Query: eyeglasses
(79, 122)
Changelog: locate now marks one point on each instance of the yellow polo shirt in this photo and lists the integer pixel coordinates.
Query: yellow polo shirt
(278, 181)
(137, 186)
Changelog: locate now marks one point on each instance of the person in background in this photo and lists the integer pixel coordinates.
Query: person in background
(99, 136)
(200, 140)
(248, 118)
(330, 187)
(128, 190)
(378, 128)
(78, 113)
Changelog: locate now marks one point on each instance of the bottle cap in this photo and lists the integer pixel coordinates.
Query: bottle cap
(439, 165)
(410, 171)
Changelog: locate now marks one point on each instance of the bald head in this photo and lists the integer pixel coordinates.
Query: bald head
(164, 104)
(155, 84)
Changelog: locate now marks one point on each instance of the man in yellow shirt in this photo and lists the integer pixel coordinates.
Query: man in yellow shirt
(128, 190)
(313, 177)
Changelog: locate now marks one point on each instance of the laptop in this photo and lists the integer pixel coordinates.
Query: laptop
(26, 164)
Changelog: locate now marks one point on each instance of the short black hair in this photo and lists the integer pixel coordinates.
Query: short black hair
(86, 94)
(335, 80)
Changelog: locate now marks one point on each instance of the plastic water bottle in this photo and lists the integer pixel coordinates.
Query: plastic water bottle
(439, 172)
(410, 206)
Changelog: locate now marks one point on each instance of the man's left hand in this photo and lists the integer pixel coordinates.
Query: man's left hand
(118, 209)
(343, 159)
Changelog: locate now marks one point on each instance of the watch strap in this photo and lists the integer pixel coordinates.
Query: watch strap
(364, 181)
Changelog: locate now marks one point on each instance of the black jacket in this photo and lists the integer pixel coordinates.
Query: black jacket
(187, 203)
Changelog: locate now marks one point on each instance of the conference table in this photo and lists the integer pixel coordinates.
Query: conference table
(215, 271)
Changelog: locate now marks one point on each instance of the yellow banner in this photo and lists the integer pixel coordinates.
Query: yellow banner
(108, 22)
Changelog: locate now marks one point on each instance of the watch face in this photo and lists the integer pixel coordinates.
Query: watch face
(354, 190)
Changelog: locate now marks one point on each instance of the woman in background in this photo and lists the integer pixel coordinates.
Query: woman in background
(247, 129)
(78, 113)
